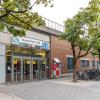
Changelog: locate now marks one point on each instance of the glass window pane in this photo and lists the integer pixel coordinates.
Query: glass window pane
(70, 63)
(82, 63)
(93, 63)
(87, 63)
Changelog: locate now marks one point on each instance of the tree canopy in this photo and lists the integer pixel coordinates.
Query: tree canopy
(82, 31)
(18, 13)
(96, 49)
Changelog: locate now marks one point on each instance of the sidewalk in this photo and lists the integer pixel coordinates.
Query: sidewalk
(66, 75)
(54, 89)
(5, 96)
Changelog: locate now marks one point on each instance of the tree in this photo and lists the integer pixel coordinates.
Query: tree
(18, 13)
(96, 49)
(81, 32)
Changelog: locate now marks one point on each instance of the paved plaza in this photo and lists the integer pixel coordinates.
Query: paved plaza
(55, 89)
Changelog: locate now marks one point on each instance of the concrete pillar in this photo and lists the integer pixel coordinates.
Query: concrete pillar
(2, 64)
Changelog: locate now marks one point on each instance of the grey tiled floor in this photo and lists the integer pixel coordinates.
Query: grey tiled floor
(56, 89)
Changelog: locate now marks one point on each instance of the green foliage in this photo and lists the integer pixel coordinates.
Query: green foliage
(25, 20)
(16, 5)
(18, 13)
(45, 2)
(96, 48)
(2, 26)
(81, 31)
(16, 31)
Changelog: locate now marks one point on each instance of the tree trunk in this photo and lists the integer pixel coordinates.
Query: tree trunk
(74, 63)
(74, 71)
(99, 54)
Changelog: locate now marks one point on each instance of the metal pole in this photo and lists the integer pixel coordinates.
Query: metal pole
(12, 69)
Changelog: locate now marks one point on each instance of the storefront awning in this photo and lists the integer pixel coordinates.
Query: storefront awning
(56, 60)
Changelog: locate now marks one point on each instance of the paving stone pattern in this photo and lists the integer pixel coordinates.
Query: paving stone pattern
(56, 89)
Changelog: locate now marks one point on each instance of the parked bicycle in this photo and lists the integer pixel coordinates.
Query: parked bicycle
(89, 75)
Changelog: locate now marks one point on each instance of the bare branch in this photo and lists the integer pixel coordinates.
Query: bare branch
(33, 5)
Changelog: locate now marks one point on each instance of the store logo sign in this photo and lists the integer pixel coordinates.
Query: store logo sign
(15, 40)
(32, 42)
(29, 42)
(45, 45)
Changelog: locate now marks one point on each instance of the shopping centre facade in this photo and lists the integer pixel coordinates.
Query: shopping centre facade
(31, 57)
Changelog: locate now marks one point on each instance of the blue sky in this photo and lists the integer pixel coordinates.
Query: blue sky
(62, 9)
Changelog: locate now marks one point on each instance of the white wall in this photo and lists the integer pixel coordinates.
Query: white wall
(37, 35)
(2, 64)
(6, 37)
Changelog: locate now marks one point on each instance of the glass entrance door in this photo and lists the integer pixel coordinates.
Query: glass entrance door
(21, 69)
(39, 69)
(35, 71)
(26, 69)
(17, 69)
(42, 69)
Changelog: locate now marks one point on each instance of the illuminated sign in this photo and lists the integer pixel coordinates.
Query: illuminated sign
(29, 42)
(45, 45)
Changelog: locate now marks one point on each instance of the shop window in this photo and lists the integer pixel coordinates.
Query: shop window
(70, 63)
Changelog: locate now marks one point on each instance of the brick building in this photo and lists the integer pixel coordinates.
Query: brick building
(61, 49)
(31, 57)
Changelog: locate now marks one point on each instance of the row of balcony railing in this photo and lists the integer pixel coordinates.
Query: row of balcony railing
(53, 25)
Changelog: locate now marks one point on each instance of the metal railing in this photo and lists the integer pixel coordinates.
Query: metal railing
(53, 25)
